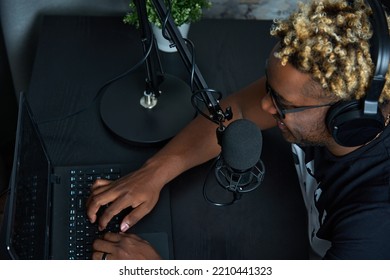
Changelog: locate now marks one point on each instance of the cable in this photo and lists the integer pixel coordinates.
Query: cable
(236, 195)
(165, 21)
(192, 75)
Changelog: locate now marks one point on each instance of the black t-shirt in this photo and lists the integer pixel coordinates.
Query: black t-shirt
(351, 196)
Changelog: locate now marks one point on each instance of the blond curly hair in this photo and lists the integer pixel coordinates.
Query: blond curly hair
(329, 39)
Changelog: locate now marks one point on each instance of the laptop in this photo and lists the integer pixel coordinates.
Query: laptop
(46, 213)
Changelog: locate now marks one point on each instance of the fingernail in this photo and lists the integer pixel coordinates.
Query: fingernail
(124, 227)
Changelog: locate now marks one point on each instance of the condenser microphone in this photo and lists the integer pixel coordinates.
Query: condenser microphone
(239, 168)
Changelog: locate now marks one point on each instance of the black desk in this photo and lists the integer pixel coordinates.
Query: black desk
(77, 55)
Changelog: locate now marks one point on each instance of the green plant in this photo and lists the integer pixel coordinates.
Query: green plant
(182, 11)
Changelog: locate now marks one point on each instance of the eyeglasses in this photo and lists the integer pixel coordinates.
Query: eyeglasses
(283, 111)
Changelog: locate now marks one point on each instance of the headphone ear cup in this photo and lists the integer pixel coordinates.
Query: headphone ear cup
(350, 127)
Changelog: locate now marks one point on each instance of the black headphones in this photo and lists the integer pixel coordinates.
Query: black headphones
(356, 122)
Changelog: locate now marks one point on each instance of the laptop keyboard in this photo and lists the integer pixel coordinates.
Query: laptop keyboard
(81, 232)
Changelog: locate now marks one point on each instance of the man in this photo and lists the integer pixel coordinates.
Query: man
(323, 57)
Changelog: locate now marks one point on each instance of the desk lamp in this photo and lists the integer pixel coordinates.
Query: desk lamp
(153, 109)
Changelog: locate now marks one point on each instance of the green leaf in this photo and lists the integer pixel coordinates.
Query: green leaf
(182, 11)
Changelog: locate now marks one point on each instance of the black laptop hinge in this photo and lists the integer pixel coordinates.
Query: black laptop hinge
(55, 179)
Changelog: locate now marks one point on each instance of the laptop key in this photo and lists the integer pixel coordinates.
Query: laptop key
(81, 232)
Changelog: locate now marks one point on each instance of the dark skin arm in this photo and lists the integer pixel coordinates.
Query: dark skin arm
(194, 145)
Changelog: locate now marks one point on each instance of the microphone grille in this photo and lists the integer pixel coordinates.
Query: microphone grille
(241, 144)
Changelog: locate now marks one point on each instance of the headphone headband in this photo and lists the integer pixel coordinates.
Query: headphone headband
(380, 55)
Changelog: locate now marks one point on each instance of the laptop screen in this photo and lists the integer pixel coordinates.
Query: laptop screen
(28, 215)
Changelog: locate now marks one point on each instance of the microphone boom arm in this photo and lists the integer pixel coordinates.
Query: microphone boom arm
(152, 63)
(216, 113)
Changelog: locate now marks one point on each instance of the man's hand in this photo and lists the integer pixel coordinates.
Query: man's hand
(136, 190)
(123, 246)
